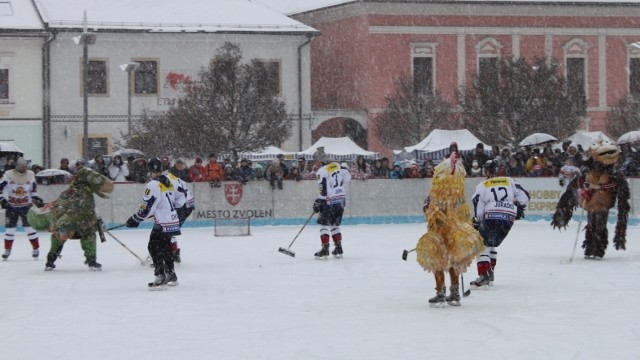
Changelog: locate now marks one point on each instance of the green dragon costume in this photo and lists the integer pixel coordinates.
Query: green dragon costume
(73, 216)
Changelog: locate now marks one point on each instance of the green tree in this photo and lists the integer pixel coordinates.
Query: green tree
(410, 115)
(515, 98)
(232, 108)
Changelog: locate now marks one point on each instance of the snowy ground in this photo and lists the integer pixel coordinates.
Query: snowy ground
(241, 299)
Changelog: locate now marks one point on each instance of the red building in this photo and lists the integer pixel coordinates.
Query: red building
(365, 46)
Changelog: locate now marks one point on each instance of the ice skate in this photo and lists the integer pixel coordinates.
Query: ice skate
(454, 296)
(158, 283)
(438, 301)
(6, 254)
(93, 265)
(482, 282)
(491, 275)
(337, 251)
(35, 253)
(323, 253)
(51, 259)
(176, 256)
(171, 279)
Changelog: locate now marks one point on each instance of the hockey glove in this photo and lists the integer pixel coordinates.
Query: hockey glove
(317, 205)
(132, 222)
(38, 202)
(4, 203)
(520, 211)
(426, 203)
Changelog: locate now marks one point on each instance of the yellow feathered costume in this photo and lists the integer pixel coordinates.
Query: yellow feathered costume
(451, 243)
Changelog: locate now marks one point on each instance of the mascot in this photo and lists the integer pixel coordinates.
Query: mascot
(597, 190)
(451, 243)
(73, 216)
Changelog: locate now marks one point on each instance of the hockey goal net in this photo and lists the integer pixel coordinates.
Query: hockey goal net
(232, 227)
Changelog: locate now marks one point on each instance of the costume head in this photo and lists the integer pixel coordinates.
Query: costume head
(88, 179)
(604, 152)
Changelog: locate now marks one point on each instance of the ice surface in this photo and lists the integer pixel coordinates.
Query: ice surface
(239, 298)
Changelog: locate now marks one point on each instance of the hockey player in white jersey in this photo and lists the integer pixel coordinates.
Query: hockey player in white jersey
(185, 204)
(17, 194)
(332, 179)
(159, 202)
(497, 202)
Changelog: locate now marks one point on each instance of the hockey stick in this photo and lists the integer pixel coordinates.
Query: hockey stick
(142, 262)
(575, 243)
(115, 227)
(464, 293)
(405, 253)
(289, 252)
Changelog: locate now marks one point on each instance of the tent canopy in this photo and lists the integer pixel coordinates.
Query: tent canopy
(587, 138)
(436, 145)
(341, 148)
(269, 153)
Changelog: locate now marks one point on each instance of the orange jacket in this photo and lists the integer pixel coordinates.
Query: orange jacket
(214, 172)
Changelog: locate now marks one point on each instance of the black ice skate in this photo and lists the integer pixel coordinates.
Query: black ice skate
(51, 259)
(159, 283)
(454, 297)
(6, 254)
(337, 251)
(482, 282)
(323, 253)
(93, 265)
(171, 279)
(438, 300)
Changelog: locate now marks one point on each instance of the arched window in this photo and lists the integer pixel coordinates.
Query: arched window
(633, 56)
(423, 67)
(488, 54)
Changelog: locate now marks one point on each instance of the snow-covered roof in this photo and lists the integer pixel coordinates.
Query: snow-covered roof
(19, 15)
(169, 16)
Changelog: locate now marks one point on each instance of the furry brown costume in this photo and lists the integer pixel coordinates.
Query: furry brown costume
(597, 190)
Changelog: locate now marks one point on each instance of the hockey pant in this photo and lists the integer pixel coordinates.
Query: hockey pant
(11, 222)
(160, 250)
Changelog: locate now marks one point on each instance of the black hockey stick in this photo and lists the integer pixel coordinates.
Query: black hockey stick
(115, 227)
(464, 293)
(287, 251)
(405, 253)
(142, 262)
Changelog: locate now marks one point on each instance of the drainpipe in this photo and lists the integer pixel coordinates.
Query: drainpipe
(309, 38)
(46, 101)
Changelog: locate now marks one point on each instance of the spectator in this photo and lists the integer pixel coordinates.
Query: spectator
(376, 169)
(495, 152)
(275, 174)
(427, 169)
(319, 155)
(386, 167)
(535, 160)
(118, 170)
(138, 172)
(197, 172)
(396, 172)
(302, 166)
(244, 173)
(294, 173)
(77, 166)
(412, 171)
(572, 152)
(214, 172)
(64, 165)
(258, 171)
(166, 164)
(99, 166)
(476, 169)
(504, 157)
(179, 170)
(479, 155)
(228, 172)
(360, 169)
(313, 172)
(514, 167)
(285, 169)
(568, 172)
(549, 167)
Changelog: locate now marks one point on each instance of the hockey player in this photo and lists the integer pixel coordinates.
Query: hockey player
(497, 203)
(330, 204)
(159, 201)
(17, 194)
(185, 204)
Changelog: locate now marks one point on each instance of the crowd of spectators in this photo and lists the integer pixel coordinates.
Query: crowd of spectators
(541, 161)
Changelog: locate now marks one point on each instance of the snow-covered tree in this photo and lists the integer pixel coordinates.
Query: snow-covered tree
(515, 98)
(623, 117)
(232, 108)
(410, 115)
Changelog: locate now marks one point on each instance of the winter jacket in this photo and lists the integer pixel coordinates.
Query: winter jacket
(214, 172)
(197, 173)
(244, 174)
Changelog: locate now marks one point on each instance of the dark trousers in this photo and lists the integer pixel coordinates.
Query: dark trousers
(160, 251)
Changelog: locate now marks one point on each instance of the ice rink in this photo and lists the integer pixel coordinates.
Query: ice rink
(239, 298)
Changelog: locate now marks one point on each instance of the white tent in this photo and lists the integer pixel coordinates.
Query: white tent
(436, 145)
(269, 153)
(341, 148)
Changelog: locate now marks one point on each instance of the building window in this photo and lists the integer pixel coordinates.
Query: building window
(488, 71)
(423, 67)
(146, 77)
(576, 84)
(97, 77)
(271, 80)
(4, 85)
(423, 75)
(634, 77)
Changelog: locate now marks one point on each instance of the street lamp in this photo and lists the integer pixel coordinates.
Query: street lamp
(129, 68)
(85, 39)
